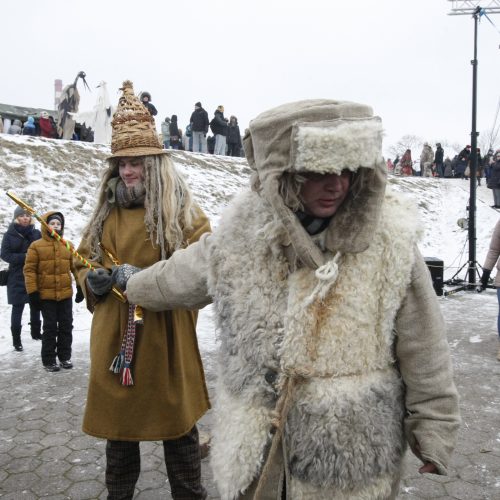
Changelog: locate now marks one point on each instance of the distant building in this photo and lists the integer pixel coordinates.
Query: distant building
(9, 113)
(58, 85)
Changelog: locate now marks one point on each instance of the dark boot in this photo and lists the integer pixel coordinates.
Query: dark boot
(36, 331)
(16, 338)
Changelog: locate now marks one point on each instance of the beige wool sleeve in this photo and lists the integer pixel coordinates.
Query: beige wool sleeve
(432, 416)
(179, 282)
(494, 252)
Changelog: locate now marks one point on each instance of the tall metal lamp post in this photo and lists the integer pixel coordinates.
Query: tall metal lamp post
(462, 8)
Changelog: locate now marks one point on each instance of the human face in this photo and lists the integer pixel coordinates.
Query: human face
(322, 195)
(55, 224)
(24, 220)
(131, 170)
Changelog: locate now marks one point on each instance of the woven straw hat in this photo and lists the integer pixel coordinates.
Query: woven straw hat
(134, 132)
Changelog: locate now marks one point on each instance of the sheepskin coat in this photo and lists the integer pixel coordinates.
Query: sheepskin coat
(332, 353)
(169, 394)
(377, 334)
(48, 267)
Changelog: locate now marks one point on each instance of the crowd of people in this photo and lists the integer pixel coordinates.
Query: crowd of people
(226, 138)
(44, 126)
(320, 372)
(434, 164)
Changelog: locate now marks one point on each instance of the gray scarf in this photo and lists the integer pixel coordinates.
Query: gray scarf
(123, 196)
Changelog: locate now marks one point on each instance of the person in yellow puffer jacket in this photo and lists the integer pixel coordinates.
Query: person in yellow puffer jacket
(47, 274)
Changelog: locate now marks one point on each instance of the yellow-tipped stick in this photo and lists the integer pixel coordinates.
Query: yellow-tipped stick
(119, 295)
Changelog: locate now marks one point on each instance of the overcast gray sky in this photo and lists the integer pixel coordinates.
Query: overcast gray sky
(406, 58)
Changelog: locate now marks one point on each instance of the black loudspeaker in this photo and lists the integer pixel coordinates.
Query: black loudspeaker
(435, 267)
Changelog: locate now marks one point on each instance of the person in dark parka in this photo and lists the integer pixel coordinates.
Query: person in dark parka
(146, 100)
(233, 137)
(493, 181)
(15, 242)
(175, 135)
(199, 126)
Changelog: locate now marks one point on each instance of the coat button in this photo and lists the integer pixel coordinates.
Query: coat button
(270, 377)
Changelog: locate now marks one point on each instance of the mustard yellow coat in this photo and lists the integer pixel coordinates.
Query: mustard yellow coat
(169, 393)
(48, 267)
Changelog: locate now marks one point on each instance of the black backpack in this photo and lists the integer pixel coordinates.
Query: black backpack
(213, 126)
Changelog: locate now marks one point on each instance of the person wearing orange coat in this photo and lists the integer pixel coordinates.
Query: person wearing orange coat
(47, 274)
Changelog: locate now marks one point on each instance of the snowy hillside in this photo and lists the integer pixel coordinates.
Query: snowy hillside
(64, 175)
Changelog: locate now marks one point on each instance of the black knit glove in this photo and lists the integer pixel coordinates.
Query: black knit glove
(485, 278)
(34, 300)
(121, 274)
(79, 294)
(99, 281)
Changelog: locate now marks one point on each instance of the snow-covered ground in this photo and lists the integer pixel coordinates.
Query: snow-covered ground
(64, 175)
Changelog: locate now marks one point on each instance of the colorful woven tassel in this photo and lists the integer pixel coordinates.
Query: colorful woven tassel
(117, 363)
(127, 376)
(123, 361)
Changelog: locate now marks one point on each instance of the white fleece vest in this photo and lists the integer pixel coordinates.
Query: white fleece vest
(344, 431)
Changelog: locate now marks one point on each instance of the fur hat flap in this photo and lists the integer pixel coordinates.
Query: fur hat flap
(332, 146)
(272, 131)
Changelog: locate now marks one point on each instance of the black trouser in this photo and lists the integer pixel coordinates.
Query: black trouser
(57, 330)
(233, 149)
(182, 458)
(17, 315)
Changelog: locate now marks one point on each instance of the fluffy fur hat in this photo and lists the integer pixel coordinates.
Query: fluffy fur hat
(322, 136)
(318, 135)
(133, 127)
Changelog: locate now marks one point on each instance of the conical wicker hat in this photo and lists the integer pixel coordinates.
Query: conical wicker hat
(134, 132)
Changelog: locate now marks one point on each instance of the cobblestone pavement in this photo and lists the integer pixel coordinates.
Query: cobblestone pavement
(44, 454)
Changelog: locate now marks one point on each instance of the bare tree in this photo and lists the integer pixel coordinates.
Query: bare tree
(456, 147)
(489, 139)
(406, 142)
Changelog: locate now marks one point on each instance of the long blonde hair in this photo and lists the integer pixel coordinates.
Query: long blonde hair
(170, 209)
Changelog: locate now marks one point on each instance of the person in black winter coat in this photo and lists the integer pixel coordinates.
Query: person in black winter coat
(15, 242)
(146, 100)
(493, 181)
(233, 137)
(465, 153)
(199, 127)
(439, 160)
(218, 125)
(459, 166)
(175, 135)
